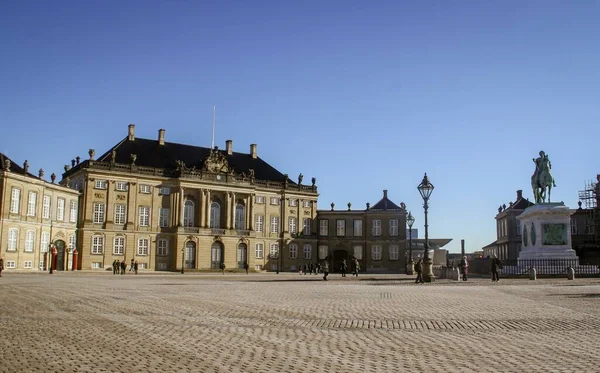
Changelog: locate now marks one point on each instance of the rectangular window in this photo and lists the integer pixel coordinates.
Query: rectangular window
(29, 241)
(377, 227)
(100, 184)
(293, 251)
(358, 230)
(97, 244)
(259, 199)
(119, 245)
(11, 264)
(307, 252)
(376, 252)
(46, 207)
(144, 216)
(306, 226)
(121, 186)
(358, 252)
(45, 242)
(163, 217)
(260, 223)
(146, 189)
(293, 202)
(573, 226)
(60, 209)
(518, 227)
(259, 251)
(120, 214)
(324, 227)
(164, 191)
(15, 200)
(71, 242)
(142, 266)
(306, 203)
(27, 264)
(274, 224)
(73, 211)
(96, 265)
(274, 251)
(340, 227)
(323, 251)
(162, 247)
(99, 209)
(31, 204)
(393, 252)
(393, 227)
(13, 239)
(162, 266)
(589, 226)
(292, 225)
(142, 248)
(42, 264)
(274, 201)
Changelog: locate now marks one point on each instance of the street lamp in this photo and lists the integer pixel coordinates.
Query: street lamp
(182, 258)
(410, 220)
(425, 188)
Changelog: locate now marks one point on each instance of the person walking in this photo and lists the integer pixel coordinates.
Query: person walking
(356, 267)
(325, 269)
(131, 266)
(343, 267)
(419, 272)
(464, 265)
(496, 266)
(123, 267)
(1, 266)
(223, 267)
(246, 266)
(135, 267)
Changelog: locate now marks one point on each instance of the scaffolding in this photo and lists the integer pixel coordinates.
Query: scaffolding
(589, 199)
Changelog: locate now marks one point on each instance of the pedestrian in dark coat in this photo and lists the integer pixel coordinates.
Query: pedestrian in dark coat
(496, 266)
(135, 267)
(343, 267)
(325, 270)
(464, 265)
(123, 267)
(246, 266)
(419, 272)
(1, 266)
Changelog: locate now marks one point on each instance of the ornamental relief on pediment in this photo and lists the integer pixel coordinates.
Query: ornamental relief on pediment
(216, 162)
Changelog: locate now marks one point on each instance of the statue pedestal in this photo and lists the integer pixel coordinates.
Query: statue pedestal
(545, 232)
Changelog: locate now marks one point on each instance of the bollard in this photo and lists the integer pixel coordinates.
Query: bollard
(570, 273)
(532, 274)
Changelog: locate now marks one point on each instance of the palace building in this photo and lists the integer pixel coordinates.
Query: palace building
(36, 218)
(168, 205)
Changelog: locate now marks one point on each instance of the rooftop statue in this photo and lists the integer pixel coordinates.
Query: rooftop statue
(542, 178)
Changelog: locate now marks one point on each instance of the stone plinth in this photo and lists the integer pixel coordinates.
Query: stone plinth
(545, 232)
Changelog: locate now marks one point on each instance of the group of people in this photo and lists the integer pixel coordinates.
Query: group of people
(463, 266)
(317, 268)
(120, 267)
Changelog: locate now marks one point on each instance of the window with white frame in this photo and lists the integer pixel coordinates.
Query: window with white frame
(45, 242)
(11, 264)
(324, 227)
(518, 227)
(143, 266)
(323, 251)
(142, 248)
(293, 251)
(358, 251)
(119, 245)
(393, 252)
(340, 227)
(293, 202)
(259, 199)
(120, 211)
(145, 188)
(358, 228)
(97, 244)
(307, 251)
(144, 216)
(240, 217)
(393, 227)
(215, 215)
(376, 227)
(260, 223)
(259, 250)
(13, 239)
(188, 213)
(274, 224)
(28, 264)
(274, 201)
(46, 207)
(99, 209)
(165, 191)
(163, 217)
(121, 186)
(306, 226)
(96, 265)
(274, 251)
(42, 263)
(162, 247)
(292, 225)
(306, 203)
(100, 184)
(60, 209)
(376, 252)
(73, 211)
(15, 200)
(71, 242)
(31, 204)
(573, 226)
(29, 241)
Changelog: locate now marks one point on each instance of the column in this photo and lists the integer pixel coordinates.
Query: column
(201, 204)
(247, 211)
(251, 208)
(228, 210)
(181, 206)
(232, 224)
(207, 210)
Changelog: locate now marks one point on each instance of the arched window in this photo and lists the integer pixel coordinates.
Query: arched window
(216, 255)
(188, 214)
(215, 215)
(240, 217)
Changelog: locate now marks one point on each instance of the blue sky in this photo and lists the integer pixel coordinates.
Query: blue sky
(362, 95)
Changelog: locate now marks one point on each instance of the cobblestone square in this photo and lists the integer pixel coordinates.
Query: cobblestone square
(96, 322)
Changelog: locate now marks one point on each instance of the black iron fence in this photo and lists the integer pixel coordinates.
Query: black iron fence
(543, 267)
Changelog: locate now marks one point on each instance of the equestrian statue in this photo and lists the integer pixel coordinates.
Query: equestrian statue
(542, 178)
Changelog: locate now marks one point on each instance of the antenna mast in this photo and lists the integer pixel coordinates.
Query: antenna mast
(212, 144)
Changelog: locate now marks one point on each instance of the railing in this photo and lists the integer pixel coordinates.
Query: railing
(521, 267)
(241, 232)
(191, 230)
(217, 231)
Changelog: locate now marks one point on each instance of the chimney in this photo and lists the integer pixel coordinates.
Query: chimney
(253, 151)
(519, 194)
(462, 247)
(161, 137)
(229, 147)
(131, 132)
(385, 193)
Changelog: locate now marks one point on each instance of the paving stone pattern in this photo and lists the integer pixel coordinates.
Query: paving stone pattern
(89, 322)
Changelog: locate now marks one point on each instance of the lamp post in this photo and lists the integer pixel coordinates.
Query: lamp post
(410, 220)
(182, 258)
(425, 189)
